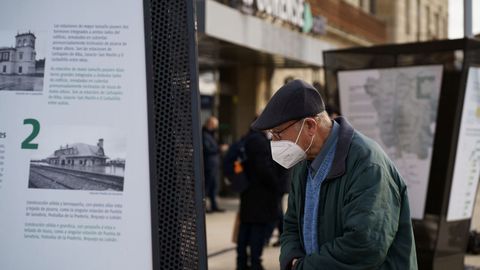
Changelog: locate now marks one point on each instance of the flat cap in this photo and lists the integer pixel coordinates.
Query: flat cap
(295, 100)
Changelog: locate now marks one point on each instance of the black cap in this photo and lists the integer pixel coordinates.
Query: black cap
(295, 100)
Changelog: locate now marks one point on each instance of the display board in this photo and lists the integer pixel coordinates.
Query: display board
(397, 107)
(467, 159)
(74, 156)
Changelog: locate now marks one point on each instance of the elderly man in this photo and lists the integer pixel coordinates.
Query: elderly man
(348, 205)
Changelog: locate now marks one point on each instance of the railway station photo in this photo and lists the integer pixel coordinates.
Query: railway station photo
(78, 166)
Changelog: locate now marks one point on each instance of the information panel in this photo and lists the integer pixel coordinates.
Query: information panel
(467, 160)
(397, 107)
(74, 173)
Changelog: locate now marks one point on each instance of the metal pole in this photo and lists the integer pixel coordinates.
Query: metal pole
(467, 18)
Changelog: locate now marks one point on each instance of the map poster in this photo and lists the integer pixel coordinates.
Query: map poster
(74, 155)
(467, 160)
(397, 107)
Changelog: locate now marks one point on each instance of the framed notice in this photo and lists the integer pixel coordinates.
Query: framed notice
(74, 155)
(397, 107)
(467, 159)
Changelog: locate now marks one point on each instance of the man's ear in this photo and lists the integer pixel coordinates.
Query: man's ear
(311, 126)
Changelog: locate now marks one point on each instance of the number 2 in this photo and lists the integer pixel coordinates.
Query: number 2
(26, 144)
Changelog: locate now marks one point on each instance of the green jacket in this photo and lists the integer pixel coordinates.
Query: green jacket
(364, 216)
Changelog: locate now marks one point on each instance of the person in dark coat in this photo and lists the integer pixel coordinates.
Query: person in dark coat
(211, 161)
(258, 203)
(284, 188)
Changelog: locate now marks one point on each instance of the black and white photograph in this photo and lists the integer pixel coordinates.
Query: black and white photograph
(22, 61)
(79, 158)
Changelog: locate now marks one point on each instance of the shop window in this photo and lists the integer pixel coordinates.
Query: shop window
(373, 8)
(407, 17)
(427, 15)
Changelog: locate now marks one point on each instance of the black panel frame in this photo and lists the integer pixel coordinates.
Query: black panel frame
(184, 251)
(151, 127)
(440, 244)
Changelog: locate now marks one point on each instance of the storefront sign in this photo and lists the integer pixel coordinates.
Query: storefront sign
(296, 12)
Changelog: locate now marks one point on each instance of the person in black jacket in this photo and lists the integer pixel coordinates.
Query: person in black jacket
(211, 161)
(258, 203)
(284, 188)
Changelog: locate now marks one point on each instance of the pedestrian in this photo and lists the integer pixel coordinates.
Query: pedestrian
(284, 187)
(348, 205)
(258, 203)
(211, 162)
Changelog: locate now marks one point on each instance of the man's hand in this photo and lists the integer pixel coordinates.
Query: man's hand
(294, 263)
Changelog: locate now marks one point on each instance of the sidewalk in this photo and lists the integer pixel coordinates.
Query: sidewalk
(221, 251)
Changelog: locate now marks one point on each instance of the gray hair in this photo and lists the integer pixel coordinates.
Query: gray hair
(322, 119)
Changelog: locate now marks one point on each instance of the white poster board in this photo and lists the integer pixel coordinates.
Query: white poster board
(467, 160)
(397, 107)
(74, 173)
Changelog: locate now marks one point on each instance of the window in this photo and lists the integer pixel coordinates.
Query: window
(373, 8)
(427, 15)
(20, 69)
(4, 70)
(20, 55)
(437, 25)
(33, 56)
(407, 17)
(418, 23)
(4, 56)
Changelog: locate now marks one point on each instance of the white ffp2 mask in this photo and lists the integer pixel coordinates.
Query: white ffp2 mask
(287, 153)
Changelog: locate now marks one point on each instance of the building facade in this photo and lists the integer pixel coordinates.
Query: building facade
(79, 154)
(414, 20)
(408, 20)
(251, 47)
(20, 59)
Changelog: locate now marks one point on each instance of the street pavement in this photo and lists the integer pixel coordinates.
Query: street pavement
(221, 249)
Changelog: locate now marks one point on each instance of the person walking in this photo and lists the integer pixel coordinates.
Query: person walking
(258, 203)
(348, 205)
(284, 187)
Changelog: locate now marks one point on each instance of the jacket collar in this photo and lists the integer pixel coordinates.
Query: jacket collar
(345, 136)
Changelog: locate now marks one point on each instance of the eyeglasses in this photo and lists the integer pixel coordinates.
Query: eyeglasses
(276, 134)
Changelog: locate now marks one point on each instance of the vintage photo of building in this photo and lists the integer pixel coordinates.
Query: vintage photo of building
(20, 68)
(78, 166)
